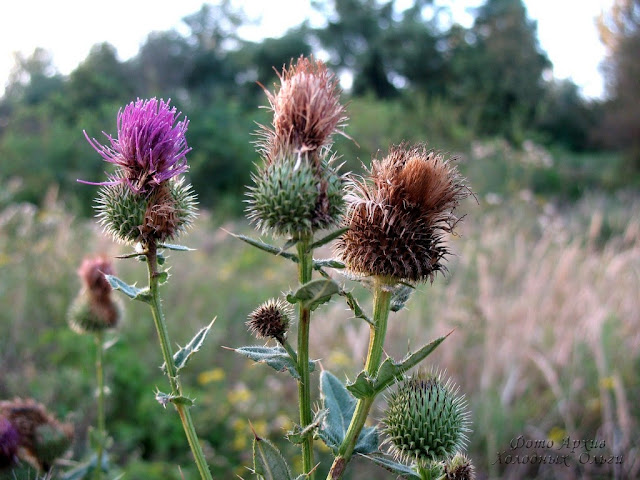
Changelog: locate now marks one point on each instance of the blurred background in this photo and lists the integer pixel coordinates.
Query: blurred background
(543, 291)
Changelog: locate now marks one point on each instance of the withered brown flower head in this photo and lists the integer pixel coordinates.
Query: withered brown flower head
(95, 308)
(270, 320)
(306, 109)
(92, 272)
(398, 215)
(42, 438)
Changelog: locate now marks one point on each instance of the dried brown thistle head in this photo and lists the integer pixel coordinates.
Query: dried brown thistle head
(92, 272)
(306, 110)
(42, 438)
(270, 320)
(95, 309)
(398, 215)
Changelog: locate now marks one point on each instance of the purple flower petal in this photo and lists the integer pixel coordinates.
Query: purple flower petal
(151, 146)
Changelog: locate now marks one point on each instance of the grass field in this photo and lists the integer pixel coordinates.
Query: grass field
(542, 298)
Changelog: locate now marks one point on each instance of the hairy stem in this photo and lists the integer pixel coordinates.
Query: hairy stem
(102, 430)
(167, 355)
(377, 334)
(305, 270)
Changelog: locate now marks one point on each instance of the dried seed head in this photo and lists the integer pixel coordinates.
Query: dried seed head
(95, 309)
(150, 148)
(426, 420)
(162, 215)
(306, 109)
(270, 320)
(292, 196)
(459, 468)
(88, 314)
(42, 438)
(9, 441)
(92, 272)
(398, 215)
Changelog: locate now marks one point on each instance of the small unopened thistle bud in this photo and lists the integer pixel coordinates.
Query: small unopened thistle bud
(42, 438)
(459, 468)
(306, 109)
(398, 215)
(270, 320)
(158, 216)
(95, 309)
(295, 197)
(9, 441)
(426, 420)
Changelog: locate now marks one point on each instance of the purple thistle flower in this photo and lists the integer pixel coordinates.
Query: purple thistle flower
(150, 149)
(9, 440)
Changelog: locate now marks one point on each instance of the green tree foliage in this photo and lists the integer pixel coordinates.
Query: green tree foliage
(620, 32)
(414, 77)
(497, 69)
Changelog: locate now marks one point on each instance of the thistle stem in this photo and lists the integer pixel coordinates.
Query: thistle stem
(377, 334)
(167, 355)
(102, 430)
(305, 271)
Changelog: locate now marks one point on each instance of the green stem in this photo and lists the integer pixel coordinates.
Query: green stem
(305, 271)
(167, 355)
(377, 334)
(102, 430)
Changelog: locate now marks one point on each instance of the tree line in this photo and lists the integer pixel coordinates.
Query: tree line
(444, 80)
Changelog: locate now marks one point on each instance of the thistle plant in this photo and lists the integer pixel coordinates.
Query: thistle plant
(389, 229)
(146, 203)
(95, 311)
(31, 438)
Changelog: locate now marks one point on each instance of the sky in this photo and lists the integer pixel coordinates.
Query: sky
(69, 28)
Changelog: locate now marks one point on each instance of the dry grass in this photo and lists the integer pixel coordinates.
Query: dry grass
(547, 340)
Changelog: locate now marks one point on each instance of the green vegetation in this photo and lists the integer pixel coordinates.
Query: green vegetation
(543, 296)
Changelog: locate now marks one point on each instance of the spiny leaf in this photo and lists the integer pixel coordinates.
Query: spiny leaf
(266, 247)
(182, 356)
(341, 405)
(177, 248)
(405, 471)
(276, 357)
(268, 461)
(163, 277)
(298, 435)
(165, 398)
(328, 262)
(312, 294)
(389, 371)
(332, 236)
(130, 291)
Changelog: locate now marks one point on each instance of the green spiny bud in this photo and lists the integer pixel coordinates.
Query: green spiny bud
(270, 320)
(426, 420)
(160, 215)
(459, 468)
(51, 442)
(89, 314)
(292, 196)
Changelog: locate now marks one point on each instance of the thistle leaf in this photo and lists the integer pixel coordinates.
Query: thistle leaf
(141, 294)
(166, 398)
(405, 471)
(328, 262)
(332, 236)
(276, 357)
(389, 371)
(268, 461)
(298, 435)
(182, 356)
(266, 247)
(340, 406)
(176, 248)
(312, 294)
